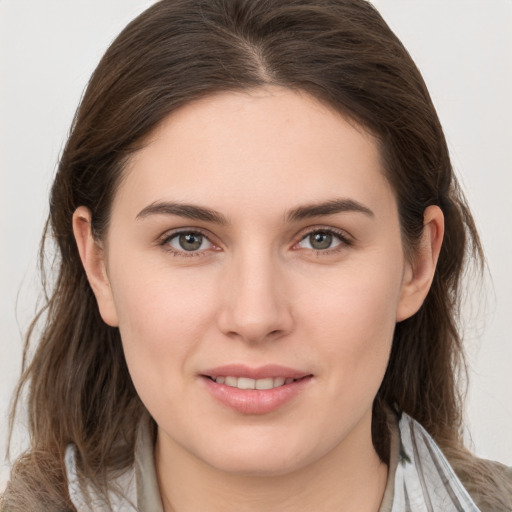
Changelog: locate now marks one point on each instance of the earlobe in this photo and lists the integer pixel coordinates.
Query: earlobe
(420, 270)
(93, 261)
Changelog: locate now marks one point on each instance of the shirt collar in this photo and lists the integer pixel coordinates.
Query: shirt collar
(420, 479)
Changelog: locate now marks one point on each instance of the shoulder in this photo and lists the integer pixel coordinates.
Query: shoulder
(447, 479)
(27, 491)
(488, 482)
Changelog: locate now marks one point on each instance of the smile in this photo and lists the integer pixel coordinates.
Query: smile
(259, 384)
(250, 390)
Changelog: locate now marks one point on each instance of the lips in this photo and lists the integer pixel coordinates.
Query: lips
(261, 372)
(255, 390)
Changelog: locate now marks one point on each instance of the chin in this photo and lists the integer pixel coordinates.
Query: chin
(262, 457)
(262, 465)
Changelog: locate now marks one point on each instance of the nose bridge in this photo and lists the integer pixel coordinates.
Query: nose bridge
(255, 306)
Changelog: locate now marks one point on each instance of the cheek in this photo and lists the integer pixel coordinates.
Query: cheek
(353, 318)
(154, 301)
(163, 315)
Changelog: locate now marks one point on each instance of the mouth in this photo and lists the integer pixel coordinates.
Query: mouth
(255, 390)
(258, 384)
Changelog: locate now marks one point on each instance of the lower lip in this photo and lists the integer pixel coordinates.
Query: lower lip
(256, 401)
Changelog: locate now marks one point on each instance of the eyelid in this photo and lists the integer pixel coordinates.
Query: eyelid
(163, 240)
(346, 239)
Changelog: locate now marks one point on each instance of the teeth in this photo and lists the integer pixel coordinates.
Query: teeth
(267, 383)
(246, 383)
(231, 381)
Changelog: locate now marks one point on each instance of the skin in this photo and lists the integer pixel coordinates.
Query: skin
(257, 292)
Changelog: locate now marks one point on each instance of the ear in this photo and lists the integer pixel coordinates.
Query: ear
(421, 267)
(92, 255)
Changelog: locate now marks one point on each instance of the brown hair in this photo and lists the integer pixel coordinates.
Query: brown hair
(342, 53)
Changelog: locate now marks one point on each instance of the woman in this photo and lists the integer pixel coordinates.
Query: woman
(261, 243)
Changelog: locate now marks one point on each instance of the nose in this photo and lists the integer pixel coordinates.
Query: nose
(255, 306)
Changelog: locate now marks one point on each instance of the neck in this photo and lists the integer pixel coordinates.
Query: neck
(350, 477)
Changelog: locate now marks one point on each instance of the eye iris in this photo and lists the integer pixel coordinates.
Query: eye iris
(320, 240)
(190, 241)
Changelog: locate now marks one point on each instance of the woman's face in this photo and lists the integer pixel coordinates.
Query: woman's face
(255, 242)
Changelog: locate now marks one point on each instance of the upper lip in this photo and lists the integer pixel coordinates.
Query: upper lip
(260, 372)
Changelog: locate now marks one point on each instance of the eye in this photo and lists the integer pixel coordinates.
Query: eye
(187, 241)
(322, 240)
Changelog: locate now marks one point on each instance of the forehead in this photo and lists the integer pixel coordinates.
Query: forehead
(269, 147)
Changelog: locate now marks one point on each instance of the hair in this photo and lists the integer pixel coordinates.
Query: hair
(340, 52)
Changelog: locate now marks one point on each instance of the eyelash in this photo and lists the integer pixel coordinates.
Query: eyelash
(342, 236)
(345, 241)
(166, 239)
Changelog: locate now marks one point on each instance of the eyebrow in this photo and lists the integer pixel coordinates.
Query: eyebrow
(194, 212)
(188, 211)
(327, 208)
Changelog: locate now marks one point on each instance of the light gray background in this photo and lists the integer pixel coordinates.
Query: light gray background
(48, 49)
